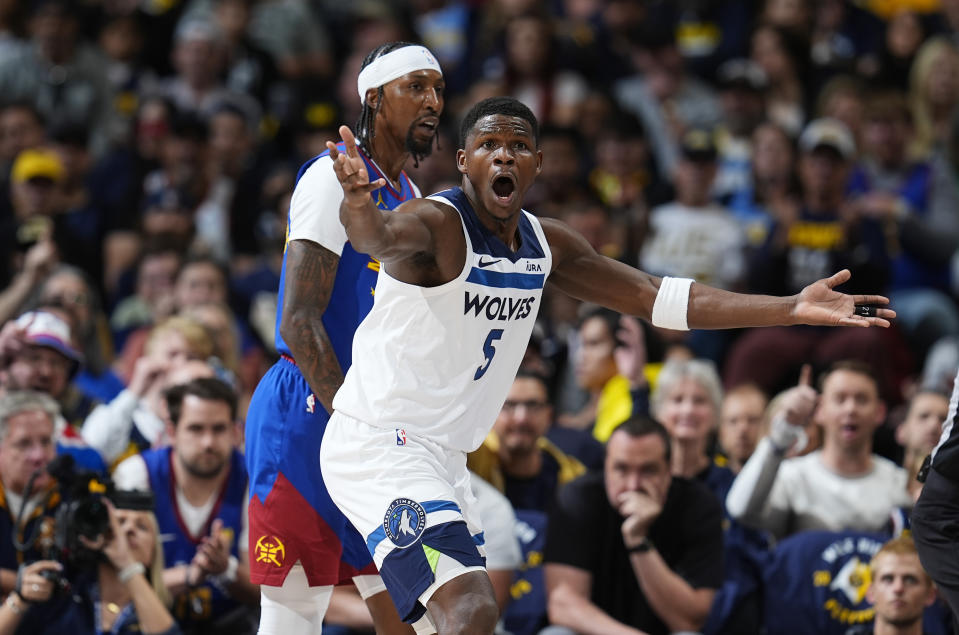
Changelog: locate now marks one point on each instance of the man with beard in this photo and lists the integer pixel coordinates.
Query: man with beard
(326, 290)
(201, 497)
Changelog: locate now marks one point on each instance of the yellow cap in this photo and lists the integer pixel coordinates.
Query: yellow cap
(37, 163)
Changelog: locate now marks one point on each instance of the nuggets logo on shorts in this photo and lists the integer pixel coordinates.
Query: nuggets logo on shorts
(404, 522)
(270, 549)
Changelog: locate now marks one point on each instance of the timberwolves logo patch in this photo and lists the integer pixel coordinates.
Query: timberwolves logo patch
(404, 522)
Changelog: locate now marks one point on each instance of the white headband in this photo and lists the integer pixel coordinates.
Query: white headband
(395, 64)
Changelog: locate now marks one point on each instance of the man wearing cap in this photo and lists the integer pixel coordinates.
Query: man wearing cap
(692, 237)
(38, 352)
(821, 234)
(300, 543)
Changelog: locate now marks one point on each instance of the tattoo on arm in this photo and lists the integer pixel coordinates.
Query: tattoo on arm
(310, 272)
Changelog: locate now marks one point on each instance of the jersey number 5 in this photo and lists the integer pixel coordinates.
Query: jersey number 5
(489, 350)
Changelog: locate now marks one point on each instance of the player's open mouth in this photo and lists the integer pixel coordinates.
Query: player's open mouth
(428, 124)
(503, 187)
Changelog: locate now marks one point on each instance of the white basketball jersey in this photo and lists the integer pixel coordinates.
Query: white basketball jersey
(438, 361)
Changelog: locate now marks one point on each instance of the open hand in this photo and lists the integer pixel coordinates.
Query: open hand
(351, 170)
(821, 304)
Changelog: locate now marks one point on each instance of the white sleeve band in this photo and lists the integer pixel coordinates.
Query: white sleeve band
(672, 300)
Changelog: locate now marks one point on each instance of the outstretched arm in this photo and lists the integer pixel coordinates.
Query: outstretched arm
(584, 274)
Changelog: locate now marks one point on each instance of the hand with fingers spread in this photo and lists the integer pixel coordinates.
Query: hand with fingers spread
(351, 170)
(821, 304)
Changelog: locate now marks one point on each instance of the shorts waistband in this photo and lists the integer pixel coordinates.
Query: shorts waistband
(288, 358)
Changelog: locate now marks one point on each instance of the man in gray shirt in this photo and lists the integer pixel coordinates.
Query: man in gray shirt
(842, 486)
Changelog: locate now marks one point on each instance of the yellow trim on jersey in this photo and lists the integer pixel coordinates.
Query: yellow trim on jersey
(484, 461)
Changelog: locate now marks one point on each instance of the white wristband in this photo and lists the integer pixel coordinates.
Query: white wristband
(672, 301)
(127, 572)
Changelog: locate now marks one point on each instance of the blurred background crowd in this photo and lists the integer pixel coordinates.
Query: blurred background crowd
(149, 150)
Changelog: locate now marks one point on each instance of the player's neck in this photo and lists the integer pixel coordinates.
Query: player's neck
(503, 227)
(390, 155)
(883, 627)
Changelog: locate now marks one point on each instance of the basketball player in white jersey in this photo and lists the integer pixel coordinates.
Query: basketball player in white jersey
(458, 292)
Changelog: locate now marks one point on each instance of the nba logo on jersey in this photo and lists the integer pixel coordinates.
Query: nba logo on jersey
(311, 403)
(400, 436)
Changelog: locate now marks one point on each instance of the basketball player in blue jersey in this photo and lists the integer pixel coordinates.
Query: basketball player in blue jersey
(459, 288)
(300, 543)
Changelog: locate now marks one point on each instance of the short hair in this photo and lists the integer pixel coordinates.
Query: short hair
(901, 546)
(746, 388)
(852, 366)
(498, 106)
(537, 377)
(702, 371)
(20, 401)
(366, 123)
(609, 317)
(643, 425)
(206, 388)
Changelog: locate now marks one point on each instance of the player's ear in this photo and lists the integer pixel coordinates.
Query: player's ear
(372, 97)
(539, 162)
(461, 161)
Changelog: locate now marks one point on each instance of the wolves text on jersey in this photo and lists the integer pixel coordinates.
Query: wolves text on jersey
(502, 308)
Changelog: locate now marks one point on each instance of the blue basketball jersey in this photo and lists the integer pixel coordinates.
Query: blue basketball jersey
(207, 600)
(352, 295)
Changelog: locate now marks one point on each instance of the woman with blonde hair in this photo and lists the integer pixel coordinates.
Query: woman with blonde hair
(934, 94)
(134, 420)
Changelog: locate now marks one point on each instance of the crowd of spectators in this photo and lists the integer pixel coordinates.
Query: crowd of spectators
(148, 153)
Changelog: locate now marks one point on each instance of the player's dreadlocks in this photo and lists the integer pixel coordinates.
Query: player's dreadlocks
(365, 125)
